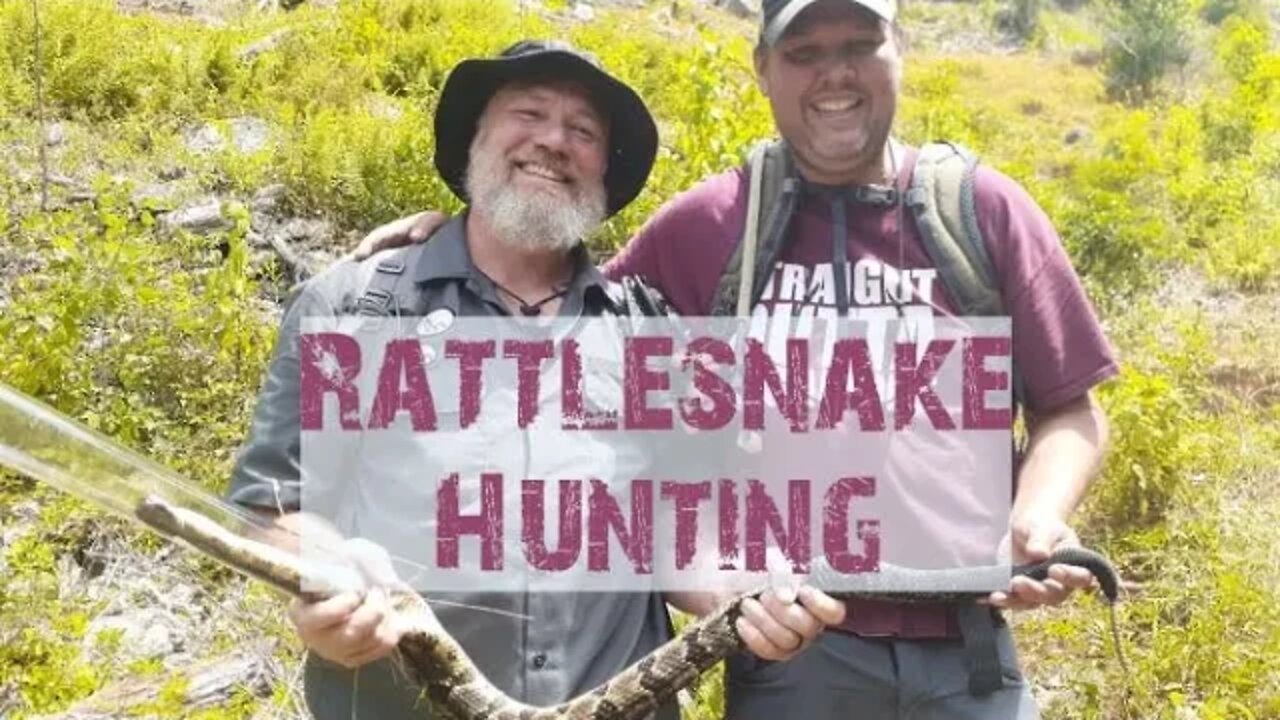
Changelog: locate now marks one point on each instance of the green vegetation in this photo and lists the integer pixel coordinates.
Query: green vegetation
(1146, 39)
(1165, 203)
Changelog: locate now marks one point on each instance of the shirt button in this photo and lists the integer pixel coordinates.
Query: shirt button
(539, 660)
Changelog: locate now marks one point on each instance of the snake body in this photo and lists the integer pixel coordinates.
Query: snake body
(435, 662)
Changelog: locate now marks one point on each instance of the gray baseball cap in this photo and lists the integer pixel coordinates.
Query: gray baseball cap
(778, 14)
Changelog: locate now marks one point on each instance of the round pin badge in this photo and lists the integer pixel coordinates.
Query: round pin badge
(432, 324)
(436, 322)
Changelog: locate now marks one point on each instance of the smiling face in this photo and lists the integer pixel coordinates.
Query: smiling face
(832, 80)
(538, 163)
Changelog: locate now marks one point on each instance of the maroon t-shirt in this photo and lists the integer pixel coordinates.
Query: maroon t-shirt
(1058, 345)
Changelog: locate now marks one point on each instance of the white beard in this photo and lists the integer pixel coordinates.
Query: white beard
(529, 220)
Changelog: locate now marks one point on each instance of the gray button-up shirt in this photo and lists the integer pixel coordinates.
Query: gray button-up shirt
(566, 643)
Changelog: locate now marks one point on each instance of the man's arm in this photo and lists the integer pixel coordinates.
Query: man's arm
(1064, 454)
(1062, 353)
(350, 628)
(407, 230)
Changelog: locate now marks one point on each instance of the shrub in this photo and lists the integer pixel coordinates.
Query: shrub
(1240, 45)
(1215, 12)
(1159, 430)
(1113, 212)
(934, 108)
(151, 339)
(1146, 39)
(101, 65)
(1020, 18)
(362, 166)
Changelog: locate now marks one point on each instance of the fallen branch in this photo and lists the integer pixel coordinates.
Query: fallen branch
(206, 685)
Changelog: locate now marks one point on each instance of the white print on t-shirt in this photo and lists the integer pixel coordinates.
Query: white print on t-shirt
(880, 295)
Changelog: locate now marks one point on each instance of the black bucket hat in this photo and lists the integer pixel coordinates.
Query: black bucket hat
(633, 136)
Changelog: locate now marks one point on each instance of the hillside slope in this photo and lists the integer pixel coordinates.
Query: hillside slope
(203, 156)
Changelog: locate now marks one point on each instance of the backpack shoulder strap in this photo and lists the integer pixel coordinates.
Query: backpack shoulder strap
(634, 297)
(771, 193)
(941, 198)
(389, 292)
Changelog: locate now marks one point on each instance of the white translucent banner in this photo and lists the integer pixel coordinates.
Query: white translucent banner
(493, 454)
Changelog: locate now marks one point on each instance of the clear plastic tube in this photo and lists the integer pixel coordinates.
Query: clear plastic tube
(41, 442)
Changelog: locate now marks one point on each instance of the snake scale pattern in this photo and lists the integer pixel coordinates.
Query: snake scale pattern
(435, 662)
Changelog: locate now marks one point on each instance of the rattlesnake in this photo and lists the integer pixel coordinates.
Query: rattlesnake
(435, 662)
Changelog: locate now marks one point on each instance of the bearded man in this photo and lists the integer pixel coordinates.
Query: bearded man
(543, 145)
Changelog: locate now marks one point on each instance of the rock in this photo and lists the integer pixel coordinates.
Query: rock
(741, 8)
(183, 595)
(55, 135)
(306, 230)
(215, 683)
(268, 199)
(384, 108)
(1086, 57)
(177, 661)
(259, 242)
(204, 217)
(155, 197)
(8, 698)
(1185, 713)
(250, 134)
(296, 264)
(172, 172)
(22, 517)
(27, 511)
(71, 576)
(144, 633)
(263, 261)
(583, 12)
(251, 51)
(209, 684)
(67, 182)
(205, 139)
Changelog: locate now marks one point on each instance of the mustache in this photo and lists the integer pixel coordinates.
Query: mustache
(557, 162)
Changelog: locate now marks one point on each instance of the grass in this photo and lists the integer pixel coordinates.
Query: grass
(159, 339)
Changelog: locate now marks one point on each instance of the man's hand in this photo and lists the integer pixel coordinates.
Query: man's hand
(398, 233)
(1064, 451)
(1035, 539)
(354, 628)
(351, 629)
(781, 621)
(785, 621)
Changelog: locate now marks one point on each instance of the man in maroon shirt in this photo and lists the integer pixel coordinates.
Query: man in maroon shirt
(832, 71)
